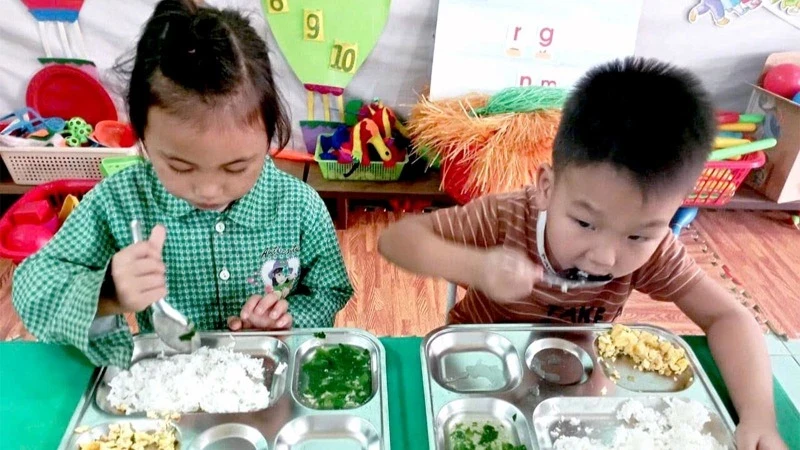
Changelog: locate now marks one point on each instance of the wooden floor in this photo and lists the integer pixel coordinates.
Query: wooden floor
(755, 254)
(762, 251)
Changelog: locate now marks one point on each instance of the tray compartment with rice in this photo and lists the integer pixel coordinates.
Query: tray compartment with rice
(279, 355)
(272, 352)
(617, 422)
(555, 362)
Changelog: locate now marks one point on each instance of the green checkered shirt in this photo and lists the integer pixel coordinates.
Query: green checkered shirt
(279, 236)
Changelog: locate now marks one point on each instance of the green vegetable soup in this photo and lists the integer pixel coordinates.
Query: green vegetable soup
(337, 377)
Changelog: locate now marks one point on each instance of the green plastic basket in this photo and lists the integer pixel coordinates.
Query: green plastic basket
(112, 165)
(376, 171)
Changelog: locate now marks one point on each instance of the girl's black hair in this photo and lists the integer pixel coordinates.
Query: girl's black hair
(191, 56)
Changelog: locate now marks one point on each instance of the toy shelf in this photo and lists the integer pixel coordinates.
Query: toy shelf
(425, 188)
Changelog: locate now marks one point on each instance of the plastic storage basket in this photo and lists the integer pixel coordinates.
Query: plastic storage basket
(37, 165)
(375, 171)
(720, 180)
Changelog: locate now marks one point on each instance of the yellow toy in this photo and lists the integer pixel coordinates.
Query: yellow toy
(70, 202)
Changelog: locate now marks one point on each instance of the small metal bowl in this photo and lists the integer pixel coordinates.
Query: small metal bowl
(559, 361)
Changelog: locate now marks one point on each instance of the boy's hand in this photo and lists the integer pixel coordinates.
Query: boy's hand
(752, 435)
(139, 275)
(506, 275)
(267, 312)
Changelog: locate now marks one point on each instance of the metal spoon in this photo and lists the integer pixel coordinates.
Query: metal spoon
(565, 285)
(573, 278)
(172, 327)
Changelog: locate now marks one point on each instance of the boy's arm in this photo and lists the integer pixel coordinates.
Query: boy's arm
(56, 290)
(449, 243)
(734, 336)
(462, 245)
(739, 350)
(413, 245)
(323, 286)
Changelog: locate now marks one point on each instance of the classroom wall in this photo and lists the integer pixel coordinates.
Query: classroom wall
(399, 67)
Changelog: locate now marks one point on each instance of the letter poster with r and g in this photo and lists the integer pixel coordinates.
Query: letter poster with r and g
(487, 45)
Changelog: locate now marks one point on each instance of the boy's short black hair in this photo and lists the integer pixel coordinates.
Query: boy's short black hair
(645, 116)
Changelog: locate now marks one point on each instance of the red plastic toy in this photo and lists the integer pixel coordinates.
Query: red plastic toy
(33, 213)
(59, 90)
(22, 239)
(114, 134)
(375, 126)
(28, 238)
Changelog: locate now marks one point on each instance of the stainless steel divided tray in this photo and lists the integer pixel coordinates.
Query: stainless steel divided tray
(531, 383)
(289, 422)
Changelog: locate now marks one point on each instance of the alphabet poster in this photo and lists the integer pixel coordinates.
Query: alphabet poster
(487, 45)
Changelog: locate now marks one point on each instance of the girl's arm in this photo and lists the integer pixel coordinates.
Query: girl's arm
(323, 287)
(56, 290)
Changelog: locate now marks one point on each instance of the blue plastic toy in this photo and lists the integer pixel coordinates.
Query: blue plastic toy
(328, 142)
(34, 122)
(682, 218)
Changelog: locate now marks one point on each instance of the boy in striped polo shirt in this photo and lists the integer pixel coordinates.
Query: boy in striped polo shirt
(633, 139)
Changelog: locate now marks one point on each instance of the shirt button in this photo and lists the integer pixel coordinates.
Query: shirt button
(224, 275)
(220, 227)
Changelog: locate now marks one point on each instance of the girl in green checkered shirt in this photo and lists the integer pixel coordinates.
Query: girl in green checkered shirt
(222, 217)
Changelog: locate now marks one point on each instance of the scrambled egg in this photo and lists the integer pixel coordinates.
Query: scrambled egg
(648, 351)
(124, 437)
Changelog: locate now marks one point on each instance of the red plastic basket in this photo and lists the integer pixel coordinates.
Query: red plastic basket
(54, 192)
(720, 180)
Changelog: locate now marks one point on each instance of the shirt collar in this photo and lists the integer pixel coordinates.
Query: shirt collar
(248, 210)
(541, 222)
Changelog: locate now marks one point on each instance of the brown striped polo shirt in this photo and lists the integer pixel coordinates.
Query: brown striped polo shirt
(510, 220)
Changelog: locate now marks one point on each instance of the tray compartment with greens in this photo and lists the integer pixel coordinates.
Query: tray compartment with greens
(336, 372)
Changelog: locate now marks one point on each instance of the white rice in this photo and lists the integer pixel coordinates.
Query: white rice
(678, 427)
(215, 380)
(576, 443)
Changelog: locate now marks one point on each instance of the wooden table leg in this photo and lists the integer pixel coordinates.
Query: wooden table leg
(342, 209)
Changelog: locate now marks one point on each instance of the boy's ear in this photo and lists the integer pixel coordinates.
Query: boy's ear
(545, 183)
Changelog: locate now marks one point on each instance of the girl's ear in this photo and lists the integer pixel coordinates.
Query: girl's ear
(545, 183)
